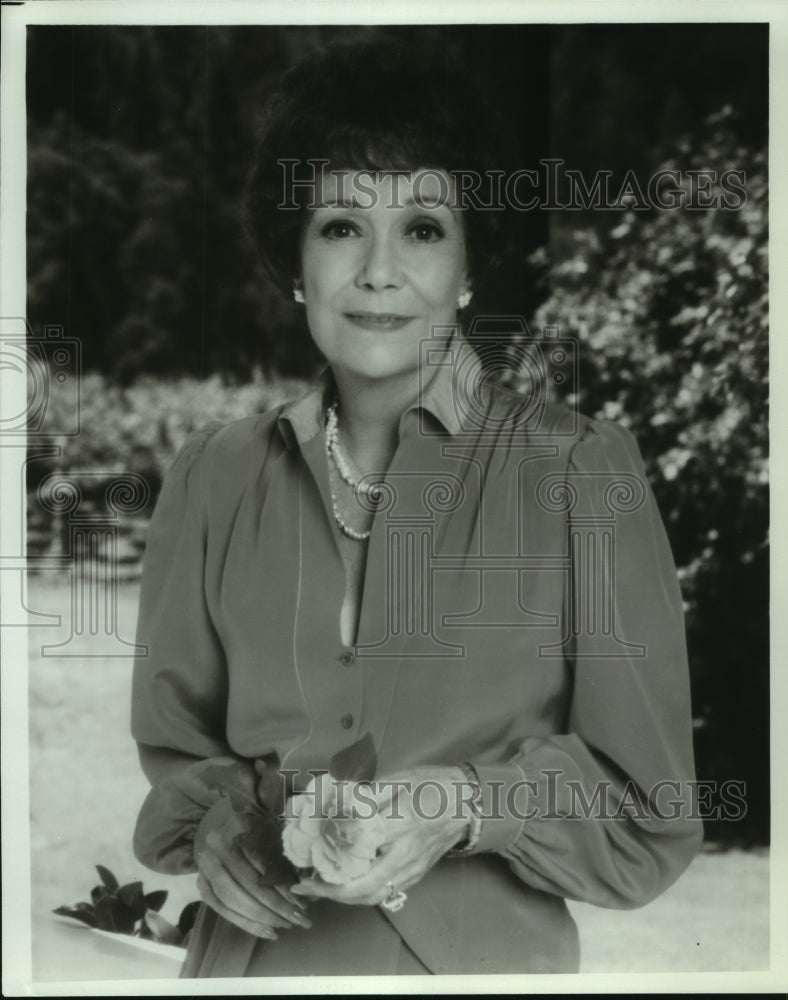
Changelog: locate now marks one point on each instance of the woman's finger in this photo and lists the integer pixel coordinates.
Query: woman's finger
(286, 894)
(374, 896)
(254, 861)
(245, 923)
(255, 902)
(366, 889)
(259, 867)
(249, 877)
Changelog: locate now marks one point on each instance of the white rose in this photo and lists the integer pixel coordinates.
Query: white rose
(338, 847)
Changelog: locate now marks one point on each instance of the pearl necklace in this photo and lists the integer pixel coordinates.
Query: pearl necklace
(341, 463)
(335, 456)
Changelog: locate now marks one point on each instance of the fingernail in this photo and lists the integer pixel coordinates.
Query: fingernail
(299, 918)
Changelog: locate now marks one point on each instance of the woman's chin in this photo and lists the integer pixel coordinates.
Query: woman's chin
(378, 362)
(377, 371)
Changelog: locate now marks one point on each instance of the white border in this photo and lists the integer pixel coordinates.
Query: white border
(15, 841)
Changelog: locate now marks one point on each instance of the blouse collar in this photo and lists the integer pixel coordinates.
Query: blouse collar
(446, 374)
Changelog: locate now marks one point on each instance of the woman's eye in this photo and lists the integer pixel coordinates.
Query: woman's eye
(427, 232)
(337, 230)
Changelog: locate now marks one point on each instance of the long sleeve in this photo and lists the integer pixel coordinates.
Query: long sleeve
(179, 689)
(603, 812)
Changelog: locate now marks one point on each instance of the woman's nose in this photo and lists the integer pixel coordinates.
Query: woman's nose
(380, 267)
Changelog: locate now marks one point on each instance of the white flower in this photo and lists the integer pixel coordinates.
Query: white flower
(319, 833)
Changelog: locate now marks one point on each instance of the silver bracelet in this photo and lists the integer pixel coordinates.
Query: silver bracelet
(469, 843)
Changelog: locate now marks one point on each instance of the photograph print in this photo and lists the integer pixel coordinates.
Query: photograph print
(394, 485)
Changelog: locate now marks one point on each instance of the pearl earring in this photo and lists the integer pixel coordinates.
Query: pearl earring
(298, 295)
(463, 299)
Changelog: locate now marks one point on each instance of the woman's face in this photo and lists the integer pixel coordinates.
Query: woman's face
(382, 262)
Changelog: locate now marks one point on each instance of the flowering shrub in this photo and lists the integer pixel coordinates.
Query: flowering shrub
(138, 429)
(670, 309)
(671, 312)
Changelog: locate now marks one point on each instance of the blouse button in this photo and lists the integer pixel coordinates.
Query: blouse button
(347, 658)
(347, 721)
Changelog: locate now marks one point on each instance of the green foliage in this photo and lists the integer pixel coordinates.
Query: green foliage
(126, 909)
(358, 762)
(132, 429)
(139, 140)
(140, 427)
(135, 179)
(670, 309)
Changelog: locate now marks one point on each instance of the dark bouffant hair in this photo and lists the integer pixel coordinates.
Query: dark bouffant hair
(370, 105)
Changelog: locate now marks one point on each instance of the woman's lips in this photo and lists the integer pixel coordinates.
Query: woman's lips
(378, 321)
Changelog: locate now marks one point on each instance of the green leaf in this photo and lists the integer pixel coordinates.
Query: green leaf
(279, 871)
(270, 786)
(105, 914)
(107, 878)
(262, 844)
(132, 899)
(155, 900)
(98, 892)
(83, 912)
(188, 916)
(357, 762)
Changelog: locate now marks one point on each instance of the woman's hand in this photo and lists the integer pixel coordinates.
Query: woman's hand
(419, 816)
(230, 881)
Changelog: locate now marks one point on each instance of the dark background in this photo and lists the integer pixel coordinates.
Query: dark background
(138, 143)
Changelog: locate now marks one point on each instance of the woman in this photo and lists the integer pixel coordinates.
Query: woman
(501, 614)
